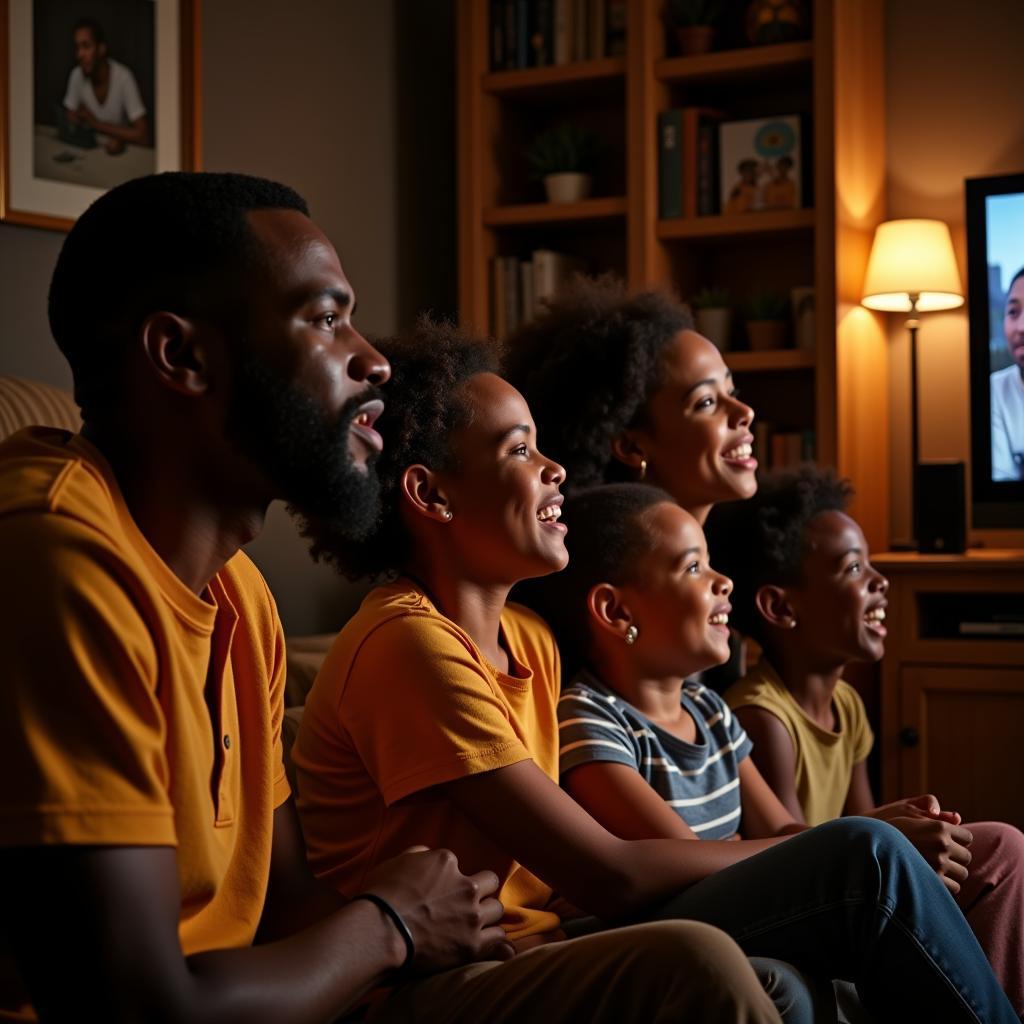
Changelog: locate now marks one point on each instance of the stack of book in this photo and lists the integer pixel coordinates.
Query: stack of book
(536, 33)
(519, 287)
(687, 162)
(776, 448)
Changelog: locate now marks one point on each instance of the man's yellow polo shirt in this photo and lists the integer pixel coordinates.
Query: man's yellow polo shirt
(132, 711)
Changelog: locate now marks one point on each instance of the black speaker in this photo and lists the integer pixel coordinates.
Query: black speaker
(940, 507)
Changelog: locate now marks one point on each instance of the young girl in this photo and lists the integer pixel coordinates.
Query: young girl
(650, 398)
(810, 596)
(433, 721)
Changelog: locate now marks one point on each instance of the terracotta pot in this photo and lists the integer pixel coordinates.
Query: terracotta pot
(569, 187)
(766, 334)
(694, 39)
(714, 322)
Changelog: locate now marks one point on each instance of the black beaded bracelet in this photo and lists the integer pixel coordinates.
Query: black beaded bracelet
(396, 920)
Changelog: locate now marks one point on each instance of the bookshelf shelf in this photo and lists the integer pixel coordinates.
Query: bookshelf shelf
(832, 401)
(527, 82)
(529, 214)
(775, 360)
(755, 62)
(737, 225)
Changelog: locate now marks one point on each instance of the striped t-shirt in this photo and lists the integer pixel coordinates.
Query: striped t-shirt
(699, 780)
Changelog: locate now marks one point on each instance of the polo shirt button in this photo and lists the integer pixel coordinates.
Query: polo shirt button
(227, 742)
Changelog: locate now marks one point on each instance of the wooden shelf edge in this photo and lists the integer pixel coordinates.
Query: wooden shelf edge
(769, 361)
(510, 82)
(724, 225)
(734, 63)
(553, 213)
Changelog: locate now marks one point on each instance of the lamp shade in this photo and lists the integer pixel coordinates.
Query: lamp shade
(912, 257)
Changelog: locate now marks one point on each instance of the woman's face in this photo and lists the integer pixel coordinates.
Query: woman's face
(696, 433)
(502, 492)
(679, 605)
(1013, 322)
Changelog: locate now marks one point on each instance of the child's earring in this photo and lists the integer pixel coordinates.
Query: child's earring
(448, 519)
(792, 623)
(631, 634)
(643, 470)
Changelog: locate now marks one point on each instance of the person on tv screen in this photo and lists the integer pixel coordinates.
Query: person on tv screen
(1007, 391)
(102, 92)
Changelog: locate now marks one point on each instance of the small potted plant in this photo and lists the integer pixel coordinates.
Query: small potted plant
(564, 157)
(693, 22)
(713, 315)
(767, 315)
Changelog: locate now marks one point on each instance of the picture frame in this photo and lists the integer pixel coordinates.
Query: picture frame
(55, 159)
(760, 164)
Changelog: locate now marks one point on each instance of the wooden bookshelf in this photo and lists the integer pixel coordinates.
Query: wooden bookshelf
(833, 81)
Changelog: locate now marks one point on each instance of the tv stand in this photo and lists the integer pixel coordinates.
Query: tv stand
(952, 700)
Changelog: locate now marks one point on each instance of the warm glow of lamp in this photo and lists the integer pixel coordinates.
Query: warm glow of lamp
(912, 268)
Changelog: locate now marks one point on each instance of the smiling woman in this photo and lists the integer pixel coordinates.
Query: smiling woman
(625, 389)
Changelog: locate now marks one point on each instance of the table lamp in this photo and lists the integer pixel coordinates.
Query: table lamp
(912, 269)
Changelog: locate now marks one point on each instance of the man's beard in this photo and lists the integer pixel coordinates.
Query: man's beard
(305, 452)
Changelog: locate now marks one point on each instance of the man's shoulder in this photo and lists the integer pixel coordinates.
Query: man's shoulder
(1007, 381)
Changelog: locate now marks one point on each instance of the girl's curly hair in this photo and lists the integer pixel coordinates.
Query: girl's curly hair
(587, 366)
(422, 406)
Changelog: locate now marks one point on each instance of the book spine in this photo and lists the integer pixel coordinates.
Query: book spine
(543, 34)
(523, 49)
(563, 31)
(512, 299)
(670, 164)
(580, 34)
(497, 12)
(595, 17)
(526, 294)
(707, 167)
(510, 34)
(615, 17)
(544, 283)
(499, 314)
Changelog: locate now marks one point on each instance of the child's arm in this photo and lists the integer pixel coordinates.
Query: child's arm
(530, 818)
(859, 798)
(763, 812)
(774, 756)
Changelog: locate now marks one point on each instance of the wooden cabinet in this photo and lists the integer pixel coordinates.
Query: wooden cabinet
(836, 391)
(953, 682)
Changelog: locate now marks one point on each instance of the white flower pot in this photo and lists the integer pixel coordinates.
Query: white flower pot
(568, 187)
(714, 323)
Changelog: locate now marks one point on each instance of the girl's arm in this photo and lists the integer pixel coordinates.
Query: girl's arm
(529, 817)
(763, 813)
(774, 756)
(859, 798)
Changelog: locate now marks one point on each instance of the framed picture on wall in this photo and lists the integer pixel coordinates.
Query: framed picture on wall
(95, 92)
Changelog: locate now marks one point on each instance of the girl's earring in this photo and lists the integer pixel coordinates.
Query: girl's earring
(447, 515)
(631, 634)
(643, 469)
(792, 623)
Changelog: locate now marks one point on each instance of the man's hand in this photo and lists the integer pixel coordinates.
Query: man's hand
(924, 806)
(453, 917)
(942, 844)
(84, 115)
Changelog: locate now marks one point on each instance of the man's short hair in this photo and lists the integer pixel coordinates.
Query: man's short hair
(177, 242)
(98, 35)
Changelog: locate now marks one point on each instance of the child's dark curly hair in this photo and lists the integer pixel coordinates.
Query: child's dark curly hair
(587, 366)
(763, 540)
(422, 406)
(605, 539)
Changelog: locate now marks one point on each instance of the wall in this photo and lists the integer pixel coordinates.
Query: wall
(352, 104)
(953, 92)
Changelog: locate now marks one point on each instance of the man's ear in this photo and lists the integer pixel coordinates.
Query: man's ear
(177, 351)
(627, 448)
(608, 611)
(774, 606)
(423, 494)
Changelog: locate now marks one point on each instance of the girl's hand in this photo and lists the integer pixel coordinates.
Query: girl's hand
(924, 806)
(942, 844)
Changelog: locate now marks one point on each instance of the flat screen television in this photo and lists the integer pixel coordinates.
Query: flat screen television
(995, 287)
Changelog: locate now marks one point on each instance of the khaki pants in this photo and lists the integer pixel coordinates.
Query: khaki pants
(667, 971)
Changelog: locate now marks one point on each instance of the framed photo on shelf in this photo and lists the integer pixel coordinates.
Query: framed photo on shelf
(95, 92)
(760, 164)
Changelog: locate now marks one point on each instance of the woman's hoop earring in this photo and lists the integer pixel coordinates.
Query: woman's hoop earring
(631, 634)
(643, 469)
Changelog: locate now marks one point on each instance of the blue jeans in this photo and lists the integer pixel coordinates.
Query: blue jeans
(852, 899)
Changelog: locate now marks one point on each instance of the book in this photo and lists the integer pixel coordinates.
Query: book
(698, 163)
(497, 12)
(526, 294)
(597, 30)
(499, 311)
(581, 35)
(670, 164)
(563, 31)
(523, 49)
(550, 271)
(615, 17)
(542, 32)
(513, 302)
(707, 167)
